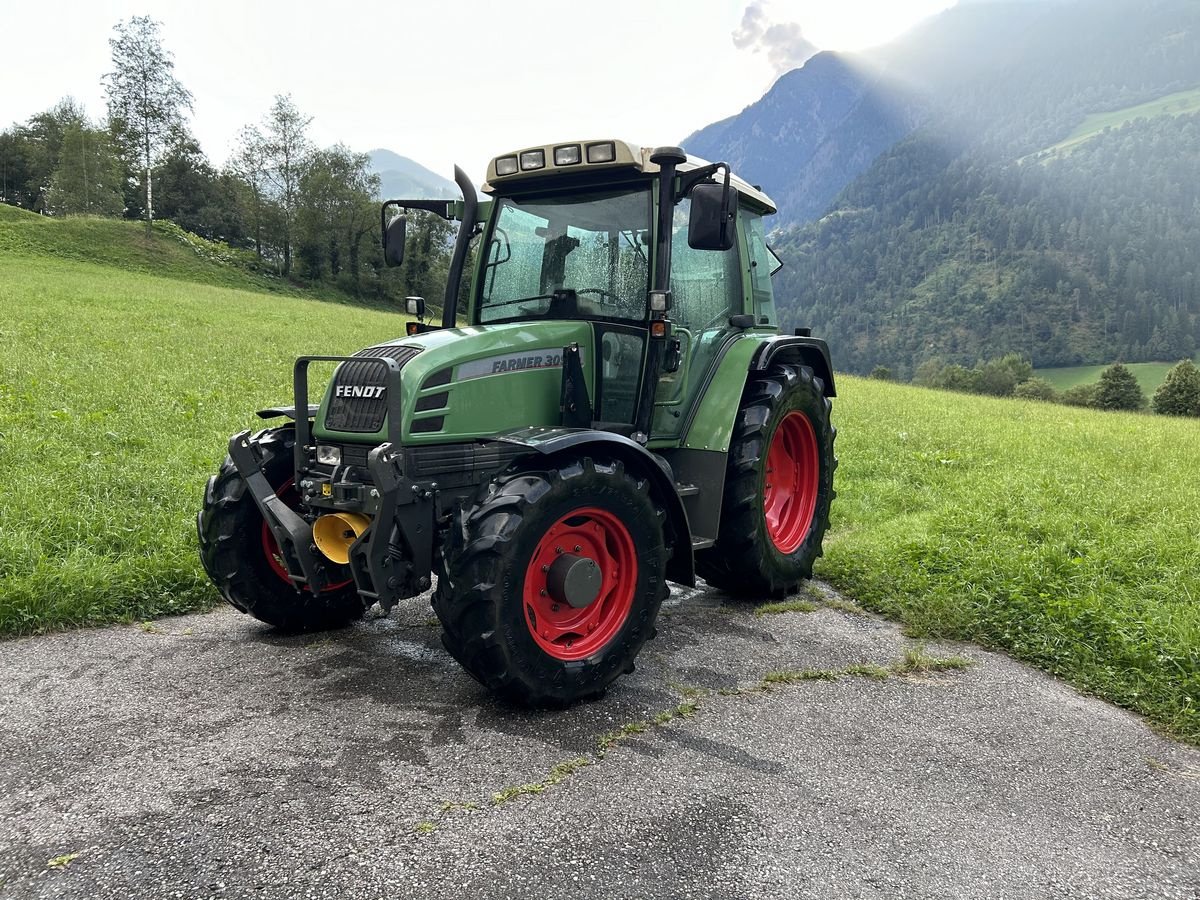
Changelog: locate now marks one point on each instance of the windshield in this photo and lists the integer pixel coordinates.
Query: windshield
(595, 244)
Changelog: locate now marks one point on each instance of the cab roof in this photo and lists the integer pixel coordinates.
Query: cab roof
(605, 157)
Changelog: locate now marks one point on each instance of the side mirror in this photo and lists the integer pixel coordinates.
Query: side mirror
(393, 241)
(710, 226)
(415, 306)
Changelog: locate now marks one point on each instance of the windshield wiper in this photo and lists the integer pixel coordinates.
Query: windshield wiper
(637, 248)
(518, 300)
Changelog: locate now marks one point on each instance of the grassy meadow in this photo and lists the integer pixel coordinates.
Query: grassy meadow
(1065, 536)
(1149, 375)
(1068, 537)
(1177, 104)
(118, 392)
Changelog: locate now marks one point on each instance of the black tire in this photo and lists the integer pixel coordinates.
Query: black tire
(488, 620)
(746, 560)
(230, 529)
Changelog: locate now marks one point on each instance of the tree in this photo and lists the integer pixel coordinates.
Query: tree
(187, 187)
(1118, 389)
(426, 256)
(248, 167)
(1000, 377)
(34, 150)
(1035, 389)
(336, 212)
(285, 149)
(14, 168)
(1179, 394)
(881, 373)
(87, 179)
(145, 99)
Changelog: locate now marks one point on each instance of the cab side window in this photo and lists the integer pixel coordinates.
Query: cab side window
(703, 282)
(763, 264)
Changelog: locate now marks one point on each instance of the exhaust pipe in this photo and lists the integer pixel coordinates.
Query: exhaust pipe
(333, 534)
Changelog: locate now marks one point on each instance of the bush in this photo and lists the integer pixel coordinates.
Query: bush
(1118, 389)
(1036, 389)
(1000, 377)
(881, 373)
(1080, 395)
(1179, 394)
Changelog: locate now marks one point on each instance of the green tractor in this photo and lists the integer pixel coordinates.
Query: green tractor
(609, 408)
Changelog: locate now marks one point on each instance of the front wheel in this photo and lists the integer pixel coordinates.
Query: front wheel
(240, 554)
(778, 487)
(552, 580)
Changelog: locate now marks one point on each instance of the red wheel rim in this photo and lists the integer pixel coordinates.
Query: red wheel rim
(271, 549)
(792, 481)
(560, 629)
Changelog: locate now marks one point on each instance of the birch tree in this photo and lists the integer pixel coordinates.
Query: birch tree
(146, 102)
(286, 150)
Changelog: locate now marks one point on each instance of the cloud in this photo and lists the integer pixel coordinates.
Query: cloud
(783, 43)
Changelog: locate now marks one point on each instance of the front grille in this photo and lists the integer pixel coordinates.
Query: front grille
(471, 461)
(363, 414)
(355, 454)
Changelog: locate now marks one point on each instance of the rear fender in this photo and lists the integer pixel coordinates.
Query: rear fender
(797, 350)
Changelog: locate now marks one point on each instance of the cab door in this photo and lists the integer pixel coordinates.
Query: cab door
(706, 289)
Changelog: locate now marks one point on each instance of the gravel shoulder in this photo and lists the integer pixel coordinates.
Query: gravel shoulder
(205, 756)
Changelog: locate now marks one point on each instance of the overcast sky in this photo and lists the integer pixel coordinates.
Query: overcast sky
(446, 81)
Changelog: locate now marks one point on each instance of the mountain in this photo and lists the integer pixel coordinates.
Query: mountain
(403, 179)
(1047, 204)
(820, 126)
(1006, 73)
(814, 130)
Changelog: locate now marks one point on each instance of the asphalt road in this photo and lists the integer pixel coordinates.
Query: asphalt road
(207, 757)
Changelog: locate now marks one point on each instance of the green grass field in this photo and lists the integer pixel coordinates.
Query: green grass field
(1178, 104)
(169, 251)
(1149, 375)
(1065, 536)
(118, 391)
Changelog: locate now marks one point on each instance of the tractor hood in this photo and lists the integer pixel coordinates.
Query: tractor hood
(458, 383)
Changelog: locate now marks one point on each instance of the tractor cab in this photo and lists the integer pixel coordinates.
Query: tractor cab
(663, 256)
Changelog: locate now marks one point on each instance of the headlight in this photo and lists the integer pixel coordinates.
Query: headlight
(567, 156)
(533, 159)
(602, 153)
(506, 165)
(329, 456)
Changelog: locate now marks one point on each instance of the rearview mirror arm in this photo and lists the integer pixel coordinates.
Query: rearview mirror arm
(688, 180)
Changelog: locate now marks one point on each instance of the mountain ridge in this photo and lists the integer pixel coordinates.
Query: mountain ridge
(402, 178)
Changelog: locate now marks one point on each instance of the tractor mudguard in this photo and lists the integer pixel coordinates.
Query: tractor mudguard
(710, 425)
(547, 441)
(807, 351)
(274, 412)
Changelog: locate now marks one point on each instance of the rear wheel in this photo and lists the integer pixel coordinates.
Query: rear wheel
(778, 487)
(241, 556)
(552, 580)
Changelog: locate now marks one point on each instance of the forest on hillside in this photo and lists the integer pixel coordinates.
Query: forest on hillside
(1075, 258)
(966, 240)
(309, 214)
